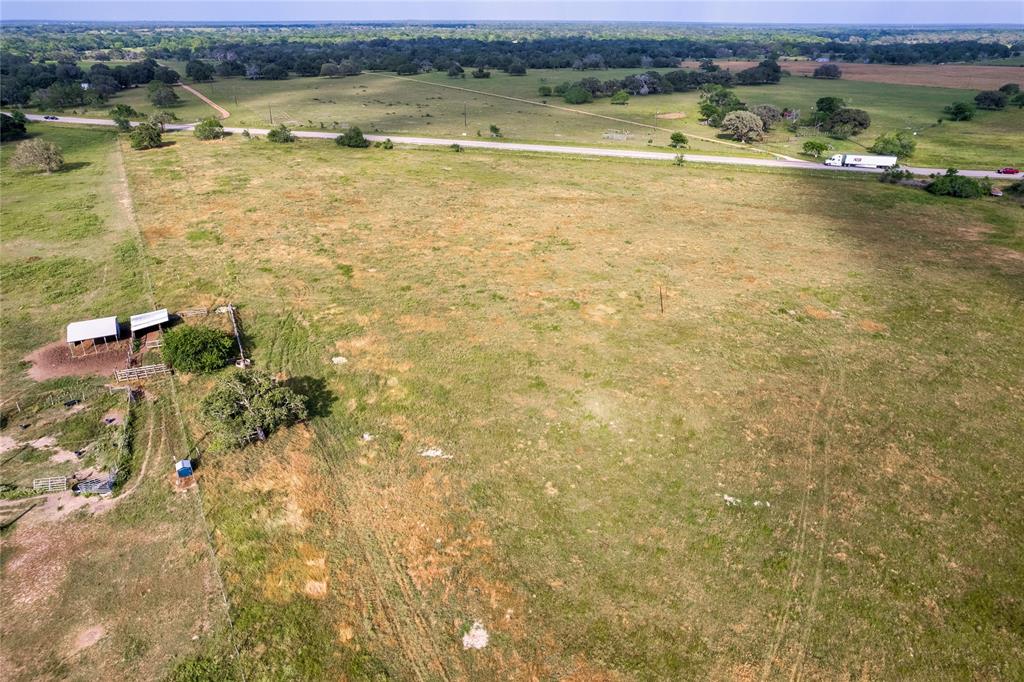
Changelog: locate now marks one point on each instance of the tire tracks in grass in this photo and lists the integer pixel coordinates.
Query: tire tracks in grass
(816, 456)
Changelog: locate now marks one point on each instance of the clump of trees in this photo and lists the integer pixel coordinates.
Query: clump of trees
(516, 68)
(717, 102)
(833, 116)
(199, 70)
(38, 155)
(281, 134)
(247, 404)
(829, 71)
(769, 114)
(765, 73)
(353, 137)
(577, 94)
(900, 144)
(952, 184)
(744, 126)
(209, 129)
(161, 94)
(146, 136)
(991, 99)
(197, 349)
(961, 111)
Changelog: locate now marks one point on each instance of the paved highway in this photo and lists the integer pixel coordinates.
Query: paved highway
(554, 149)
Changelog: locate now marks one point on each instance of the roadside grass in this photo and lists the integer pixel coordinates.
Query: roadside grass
(849, 375)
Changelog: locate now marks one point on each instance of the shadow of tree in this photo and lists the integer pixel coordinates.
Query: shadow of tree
(319, 398)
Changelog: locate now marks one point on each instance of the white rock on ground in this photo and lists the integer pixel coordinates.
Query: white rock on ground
(476, 638)
(436, 453)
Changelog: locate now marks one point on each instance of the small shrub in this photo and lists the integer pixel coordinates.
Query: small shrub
(456, 147)
(209, 129)
(281, 134)
(680, 160)
(388, 144)
(353, 137)
(197, 349)
(620, 97)
(894, 175)
(961, 111)
(678, 139)
(145, 136)
(952, 184)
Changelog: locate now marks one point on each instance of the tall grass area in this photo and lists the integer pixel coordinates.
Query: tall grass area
(684, 422)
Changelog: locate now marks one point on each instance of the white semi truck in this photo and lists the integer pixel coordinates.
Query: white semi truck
(861, 161)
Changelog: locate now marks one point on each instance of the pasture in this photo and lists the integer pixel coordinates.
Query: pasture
(634, 420)
(92, 586)
(446, 107)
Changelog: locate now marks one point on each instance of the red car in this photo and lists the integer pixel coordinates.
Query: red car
(1008, 171)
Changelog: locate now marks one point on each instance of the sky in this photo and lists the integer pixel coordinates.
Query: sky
(914, 12)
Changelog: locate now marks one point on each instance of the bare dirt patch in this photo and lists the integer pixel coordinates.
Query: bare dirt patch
(87, 637)
(965, 76)
(671, 116)
(872, 327)
(54, 360)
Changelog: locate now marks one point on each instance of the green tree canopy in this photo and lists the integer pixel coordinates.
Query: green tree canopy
(11, 128)
(197, 349)
(830, 71)
(161, 94)
(991, 99)
(620, 97)
(745, 126)
(678, 139)
(952, 184)
(199, 70)
(577, 94)
(250, 403)
(961, 111)
(900, 144)
(815, 148)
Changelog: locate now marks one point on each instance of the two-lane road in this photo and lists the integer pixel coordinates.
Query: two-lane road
(552, 149)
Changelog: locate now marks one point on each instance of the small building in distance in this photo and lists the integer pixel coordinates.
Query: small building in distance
(146, 321)
(93, 335)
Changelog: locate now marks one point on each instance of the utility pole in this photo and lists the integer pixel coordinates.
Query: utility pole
(271, 114)
(465, 121)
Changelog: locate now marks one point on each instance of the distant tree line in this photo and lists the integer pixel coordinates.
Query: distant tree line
(60, 85)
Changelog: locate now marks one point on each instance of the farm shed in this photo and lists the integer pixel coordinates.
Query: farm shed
(88, 335)
(144, 321)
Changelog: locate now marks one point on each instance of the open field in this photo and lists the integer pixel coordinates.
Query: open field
(389, 105)
(93, 587)
(979, 76)
(684, 422)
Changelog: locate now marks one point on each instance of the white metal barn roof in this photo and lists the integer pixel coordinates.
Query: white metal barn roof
(92, 329)
(150, 319)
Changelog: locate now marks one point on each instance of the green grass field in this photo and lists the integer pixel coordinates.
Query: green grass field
(383, 104)
(700, 420)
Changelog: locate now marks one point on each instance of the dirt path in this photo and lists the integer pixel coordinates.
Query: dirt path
(589, 113)
(221, 111)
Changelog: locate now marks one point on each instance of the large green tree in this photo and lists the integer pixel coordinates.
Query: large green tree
(199, 70)
(161, 94)
(353, 137)
(250, 403)
(38, 155)
(900, 144)
(745, 126)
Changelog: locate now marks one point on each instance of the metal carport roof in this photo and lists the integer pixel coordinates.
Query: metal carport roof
(92, 329)
(150, 319)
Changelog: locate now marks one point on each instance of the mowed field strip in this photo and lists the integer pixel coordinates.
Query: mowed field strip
(677, 440)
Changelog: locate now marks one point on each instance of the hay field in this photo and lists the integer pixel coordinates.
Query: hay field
(818, 433)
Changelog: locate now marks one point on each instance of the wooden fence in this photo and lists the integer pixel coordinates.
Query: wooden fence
(143, 372)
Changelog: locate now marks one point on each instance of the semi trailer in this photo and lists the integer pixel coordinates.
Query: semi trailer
(861, 161)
